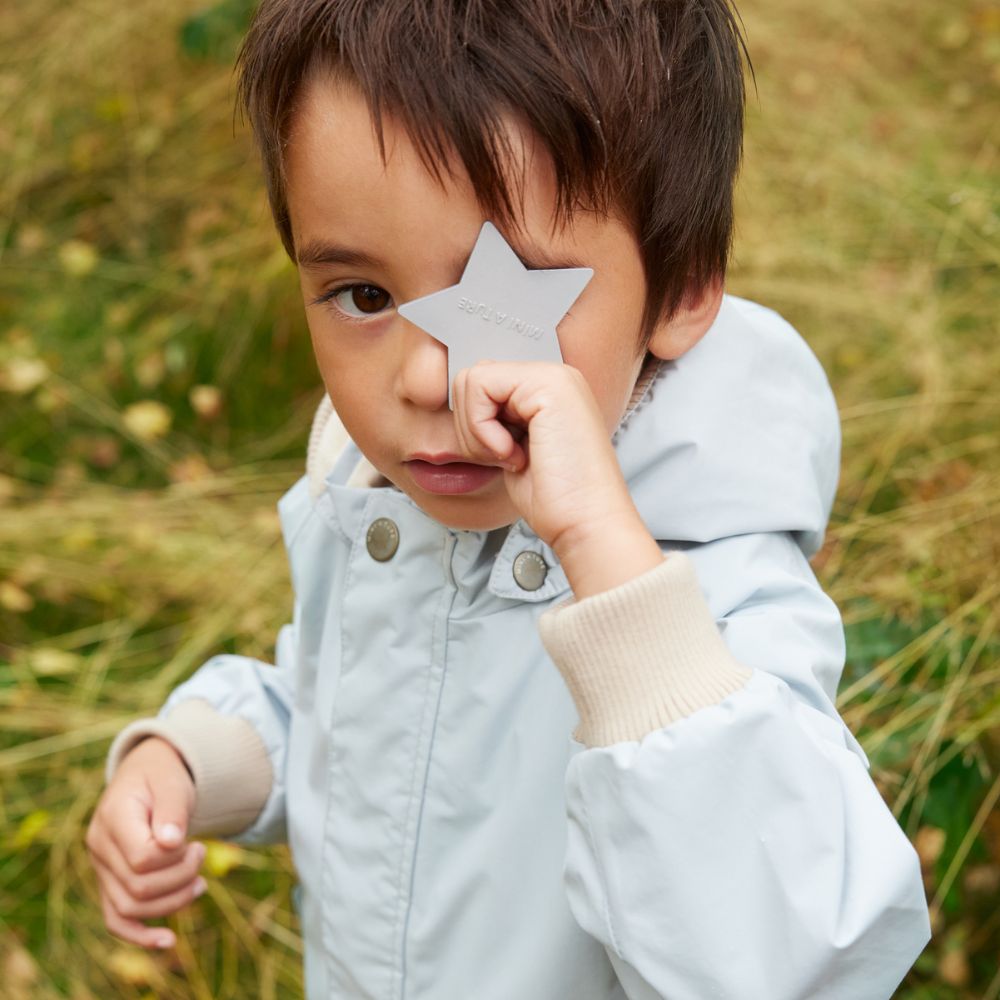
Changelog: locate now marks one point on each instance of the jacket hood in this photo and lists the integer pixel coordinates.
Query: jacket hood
(739, 435)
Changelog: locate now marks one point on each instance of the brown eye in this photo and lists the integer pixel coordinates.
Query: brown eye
(358, 301)
(369, 298)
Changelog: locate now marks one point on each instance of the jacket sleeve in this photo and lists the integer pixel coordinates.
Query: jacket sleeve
(230, 723)
(724, 836)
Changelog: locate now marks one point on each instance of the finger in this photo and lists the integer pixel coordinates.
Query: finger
(152, 885)
(458, 398)
(129, 825)
(172, 800)
(133, 931)
(489, 396)
(127, 907)
(470, 444)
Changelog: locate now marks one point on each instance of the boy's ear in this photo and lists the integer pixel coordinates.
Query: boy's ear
(689, 324)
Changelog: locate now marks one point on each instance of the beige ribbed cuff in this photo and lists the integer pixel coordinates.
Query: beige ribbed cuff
(226, 757)
(642, 655)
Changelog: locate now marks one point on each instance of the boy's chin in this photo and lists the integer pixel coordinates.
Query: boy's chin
(466, 512)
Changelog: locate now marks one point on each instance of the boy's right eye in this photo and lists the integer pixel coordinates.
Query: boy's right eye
(358, 301)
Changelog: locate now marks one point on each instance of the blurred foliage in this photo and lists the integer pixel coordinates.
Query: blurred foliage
(214, 32)
(156, 385)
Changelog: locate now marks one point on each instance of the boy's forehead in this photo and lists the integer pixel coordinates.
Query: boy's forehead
(335, 163)
(342, 191)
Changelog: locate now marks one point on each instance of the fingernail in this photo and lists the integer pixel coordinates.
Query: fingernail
(170, 833)
(200, 886)
(164, 940)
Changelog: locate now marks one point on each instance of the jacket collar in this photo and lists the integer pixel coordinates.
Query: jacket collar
(346, 504)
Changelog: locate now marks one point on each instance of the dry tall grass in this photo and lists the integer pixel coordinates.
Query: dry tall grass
(156, 385)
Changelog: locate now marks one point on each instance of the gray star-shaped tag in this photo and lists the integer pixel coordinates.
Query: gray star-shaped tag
(499, 310)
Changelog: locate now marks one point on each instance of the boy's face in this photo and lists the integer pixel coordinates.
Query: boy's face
(394, 234)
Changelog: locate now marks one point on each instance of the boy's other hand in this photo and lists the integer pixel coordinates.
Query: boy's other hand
(137, 842)
(562, 475)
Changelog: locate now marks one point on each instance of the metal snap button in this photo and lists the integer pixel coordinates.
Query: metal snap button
(382, 539)
(530, 570)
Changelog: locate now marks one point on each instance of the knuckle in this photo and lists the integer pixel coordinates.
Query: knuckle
(137, 888)
(138, 859)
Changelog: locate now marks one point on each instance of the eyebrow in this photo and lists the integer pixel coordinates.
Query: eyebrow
(319, 253)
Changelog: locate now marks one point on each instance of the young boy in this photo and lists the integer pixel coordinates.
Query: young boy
(677, 811)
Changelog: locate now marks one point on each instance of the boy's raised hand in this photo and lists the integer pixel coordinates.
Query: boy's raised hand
(137, 842)
(563, 475)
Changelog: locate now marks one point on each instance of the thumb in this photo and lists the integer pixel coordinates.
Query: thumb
(171, 809)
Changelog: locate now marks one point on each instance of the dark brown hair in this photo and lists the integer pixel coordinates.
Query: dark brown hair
(639, 102)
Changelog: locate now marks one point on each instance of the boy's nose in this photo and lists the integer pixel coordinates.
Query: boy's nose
(422, 376)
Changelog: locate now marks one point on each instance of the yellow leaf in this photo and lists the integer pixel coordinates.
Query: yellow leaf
(147, 419)
(48, 662)
(30, 829)
(134, 967)
(78, 258)
(206, 401)
(222, 857)
(21, 375)
(14, 598)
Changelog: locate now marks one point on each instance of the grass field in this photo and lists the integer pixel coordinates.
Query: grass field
(156, 386)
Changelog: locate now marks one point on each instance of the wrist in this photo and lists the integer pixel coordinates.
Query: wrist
(641, 656)
(605, 553)
(162, 747)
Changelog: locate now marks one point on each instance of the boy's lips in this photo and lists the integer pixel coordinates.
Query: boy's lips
(449, 474)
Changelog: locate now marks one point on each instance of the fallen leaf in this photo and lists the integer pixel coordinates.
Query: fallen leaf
(13, 598)
(78, 258)
(147, 419)
(929, 843)
(30, 829)
(222, 857)
(21, 375)
(49, 662)
(206, 401)
(134, 967)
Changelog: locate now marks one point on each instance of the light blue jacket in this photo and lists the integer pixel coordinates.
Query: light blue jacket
(452, 838)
